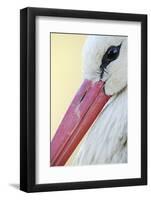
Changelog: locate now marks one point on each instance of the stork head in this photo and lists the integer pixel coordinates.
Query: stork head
(105, 74)
(105, 58)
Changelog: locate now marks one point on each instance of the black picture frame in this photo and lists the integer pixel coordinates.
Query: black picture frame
(28, 99)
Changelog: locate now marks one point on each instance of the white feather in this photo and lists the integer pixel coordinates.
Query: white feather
(106, 140)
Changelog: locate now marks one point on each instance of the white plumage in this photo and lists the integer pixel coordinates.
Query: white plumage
(106, 140)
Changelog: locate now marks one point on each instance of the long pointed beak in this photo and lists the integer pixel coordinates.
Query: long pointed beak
(82, 112)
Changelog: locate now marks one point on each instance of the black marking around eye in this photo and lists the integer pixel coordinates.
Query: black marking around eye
(110, 55)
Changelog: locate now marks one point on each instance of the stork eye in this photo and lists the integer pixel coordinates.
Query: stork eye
(111, 54)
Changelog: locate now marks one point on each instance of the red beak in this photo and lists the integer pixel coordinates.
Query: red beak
(82, 112)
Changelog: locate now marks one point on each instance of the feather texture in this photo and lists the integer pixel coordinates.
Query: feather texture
(106, 140)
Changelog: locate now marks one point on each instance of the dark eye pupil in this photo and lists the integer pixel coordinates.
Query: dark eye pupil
(113, 53)
(110, 55)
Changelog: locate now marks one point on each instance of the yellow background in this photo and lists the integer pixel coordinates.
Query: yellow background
(66, 73)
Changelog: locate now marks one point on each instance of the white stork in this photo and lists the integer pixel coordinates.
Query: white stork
(105, 140)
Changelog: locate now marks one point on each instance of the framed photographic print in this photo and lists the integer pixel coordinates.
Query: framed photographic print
(83, 99)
